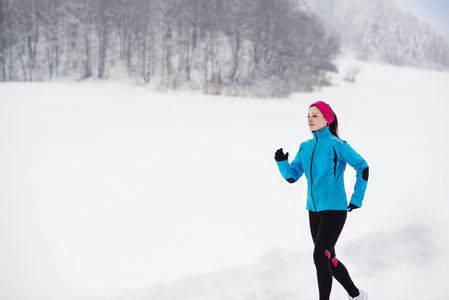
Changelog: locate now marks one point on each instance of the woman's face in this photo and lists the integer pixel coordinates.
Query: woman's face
(316, 119)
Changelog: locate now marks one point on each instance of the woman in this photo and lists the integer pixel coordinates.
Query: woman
(323, 160)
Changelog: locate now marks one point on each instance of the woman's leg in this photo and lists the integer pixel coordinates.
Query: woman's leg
(341, 274)
(325, 228)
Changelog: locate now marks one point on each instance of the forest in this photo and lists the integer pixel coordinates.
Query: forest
(380, 31)
(260, 48)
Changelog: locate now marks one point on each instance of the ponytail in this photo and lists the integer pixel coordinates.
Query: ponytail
(333, 127)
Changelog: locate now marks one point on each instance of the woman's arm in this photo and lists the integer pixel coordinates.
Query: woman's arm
(350, 156)
(291, 172)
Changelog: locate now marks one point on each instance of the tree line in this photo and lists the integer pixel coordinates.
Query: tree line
(378, 30)
(261, 47)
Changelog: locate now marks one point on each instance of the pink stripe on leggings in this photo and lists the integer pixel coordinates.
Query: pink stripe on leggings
(335, 262)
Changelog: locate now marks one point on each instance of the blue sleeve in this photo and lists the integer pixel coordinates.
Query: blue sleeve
(293, 171)
(348, 155)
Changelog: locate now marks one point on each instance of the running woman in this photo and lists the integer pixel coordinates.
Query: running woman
(323, 160)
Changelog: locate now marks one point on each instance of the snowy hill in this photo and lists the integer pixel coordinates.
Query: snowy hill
(110, 191)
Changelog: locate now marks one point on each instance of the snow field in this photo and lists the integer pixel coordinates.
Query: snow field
(111, 191)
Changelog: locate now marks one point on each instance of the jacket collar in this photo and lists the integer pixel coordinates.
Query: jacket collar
(322, 133)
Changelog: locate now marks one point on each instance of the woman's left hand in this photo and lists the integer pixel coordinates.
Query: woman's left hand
(351, 207)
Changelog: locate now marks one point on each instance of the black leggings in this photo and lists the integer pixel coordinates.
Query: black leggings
(326, 227)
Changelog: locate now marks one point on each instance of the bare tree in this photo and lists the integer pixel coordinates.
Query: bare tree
(51, 15)
(28, 30)
(6, 40)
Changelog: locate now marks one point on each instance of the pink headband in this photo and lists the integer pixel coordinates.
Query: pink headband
(326, 110)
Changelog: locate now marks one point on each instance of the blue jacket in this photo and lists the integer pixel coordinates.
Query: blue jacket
(323, 160)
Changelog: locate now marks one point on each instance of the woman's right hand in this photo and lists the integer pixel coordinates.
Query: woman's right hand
(280, 156)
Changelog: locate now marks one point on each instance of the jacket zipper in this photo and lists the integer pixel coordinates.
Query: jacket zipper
(311, 176)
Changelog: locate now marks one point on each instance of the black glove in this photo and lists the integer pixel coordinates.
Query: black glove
(280, 156)
(351, 207)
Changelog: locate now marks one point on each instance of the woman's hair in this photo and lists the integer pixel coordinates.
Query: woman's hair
(333, 128)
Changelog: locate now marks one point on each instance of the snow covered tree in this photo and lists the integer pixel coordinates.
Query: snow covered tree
(378, 30)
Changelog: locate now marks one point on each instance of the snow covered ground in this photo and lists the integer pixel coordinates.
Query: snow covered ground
(111, 191)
